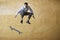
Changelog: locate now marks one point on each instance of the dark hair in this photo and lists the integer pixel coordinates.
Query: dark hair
(26, 3)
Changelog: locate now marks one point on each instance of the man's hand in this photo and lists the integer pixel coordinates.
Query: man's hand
(15, 16)
(33, 17)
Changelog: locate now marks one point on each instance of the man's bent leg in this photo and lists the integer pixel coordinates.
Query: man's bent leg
(21, 18)
(30, 14)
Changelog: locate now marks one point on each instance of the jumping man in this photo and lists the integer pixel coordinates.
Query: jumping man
(25, 10)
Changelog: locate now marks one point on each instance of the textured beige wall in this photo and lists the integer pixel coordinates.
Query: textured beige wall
(44, 27)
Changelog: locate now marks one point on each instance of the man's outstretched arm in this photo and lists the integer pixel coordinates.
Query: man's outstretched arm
(20, 11)
(16, 14)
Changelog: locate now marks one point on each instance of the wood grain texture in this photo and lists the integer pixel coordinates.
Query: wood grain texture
(44, 27)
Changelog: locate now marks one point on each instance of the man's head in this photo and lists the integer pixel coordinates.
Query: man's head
(26, 4)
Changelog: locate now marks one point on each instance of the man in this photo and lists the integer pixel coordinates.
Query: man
(25, 10)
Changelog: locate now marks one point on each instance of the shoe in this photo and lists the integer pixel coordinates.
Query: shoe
(21, 21)
(28, 22)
